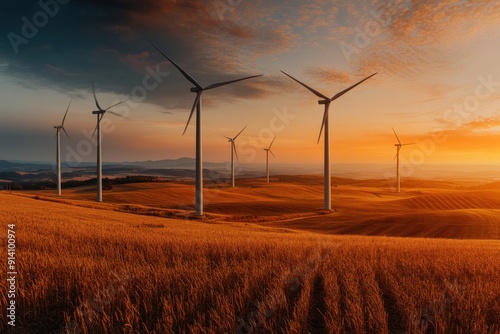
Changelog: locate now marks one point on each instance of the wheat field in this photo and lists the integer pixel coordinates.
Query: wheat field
(94, 270)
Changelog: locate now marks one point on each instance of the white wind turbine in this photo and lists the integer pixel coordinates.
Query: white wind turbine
(58, 153)
(325, 124)
(233, 152)
(199, 89)
(398, 147)
(267, 158)
(100, 114)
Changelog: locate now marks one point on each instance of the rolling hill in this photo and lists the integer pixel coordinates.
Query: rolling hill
(425, 209)
(83, 267)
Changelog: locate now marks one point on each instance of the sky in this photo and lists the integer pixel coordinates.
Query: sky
(437, 82)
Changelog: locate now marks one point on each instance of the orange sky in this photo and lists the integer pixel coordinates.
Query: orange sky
(437, 70)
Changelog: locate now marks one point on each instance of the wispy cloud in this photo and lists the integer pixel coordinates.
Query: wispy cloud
(478, 126)
(106, 41)
(329, 76)
(414, 38)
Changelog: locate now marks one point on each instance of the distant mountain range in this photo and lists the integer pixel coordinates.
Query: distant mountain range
(185, 166)
(8, 166)
(180, 163)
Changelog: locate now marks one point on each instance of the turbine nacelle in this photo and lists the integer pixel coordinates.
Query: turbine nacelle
(325, 100)
(102, 111)
(198, 89)
(58, 138)
(269, 148)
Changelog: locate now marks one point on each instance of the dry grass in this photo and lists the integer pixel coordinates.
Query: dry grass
(94, 270)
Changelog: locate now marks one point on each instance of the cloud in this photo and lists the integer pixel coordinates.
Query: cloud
(412, 38)
(329, 76)
(478, 125)
(106, 42)
(474, 140)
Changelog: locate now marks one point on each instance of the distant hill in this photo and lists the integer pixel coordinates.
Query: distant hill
(463, 175)
(7, 166)
(181, 163)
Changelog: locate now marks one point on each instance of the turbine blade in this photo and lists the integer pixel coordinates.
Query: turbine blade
(235, 152)
(215, 85)
(93, 133)
(323, 123)
(101, 116)
(315, 92)
(395, 156)
(269, 148)
(66, 133)
(240, 132)
(399, 141)
(184, 73)
(336, 96)
(67, 109)
(117, 114)
(408, 144)
(95, 98)
(272, 153)
(196, 101)
(114, 105)
(228, 138)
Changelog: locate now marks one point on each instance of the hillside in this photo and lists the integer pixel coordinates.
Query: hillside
(98, 271)
(424, 208)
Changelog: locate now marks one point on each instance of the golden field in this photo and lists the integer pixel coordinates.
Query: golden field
(255, 264)
(427, 209)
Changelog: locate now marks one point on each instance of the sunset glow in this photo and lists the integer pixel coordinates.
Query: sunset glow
(438, 77)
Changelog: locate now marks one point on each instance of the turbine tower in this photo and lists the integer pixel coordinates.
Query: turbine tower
(199, 89)
(58, 153)
(325, 124)
(267, 158)
(233, 152)
(398, 147)
(100, 114)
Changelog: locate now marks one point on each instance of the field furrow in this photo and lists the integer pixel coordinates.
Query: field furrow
(110, 272)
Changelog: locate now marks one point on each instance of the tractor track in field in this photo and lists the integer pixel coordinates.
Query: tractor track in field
(317, 307)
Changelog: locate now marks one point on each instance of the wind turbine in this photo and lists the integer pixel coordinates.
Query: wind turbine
(233, 152)
(198, 89)
(267, 158)
(58, 153)
(398, 147)
(100, 114)
(325, 124)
